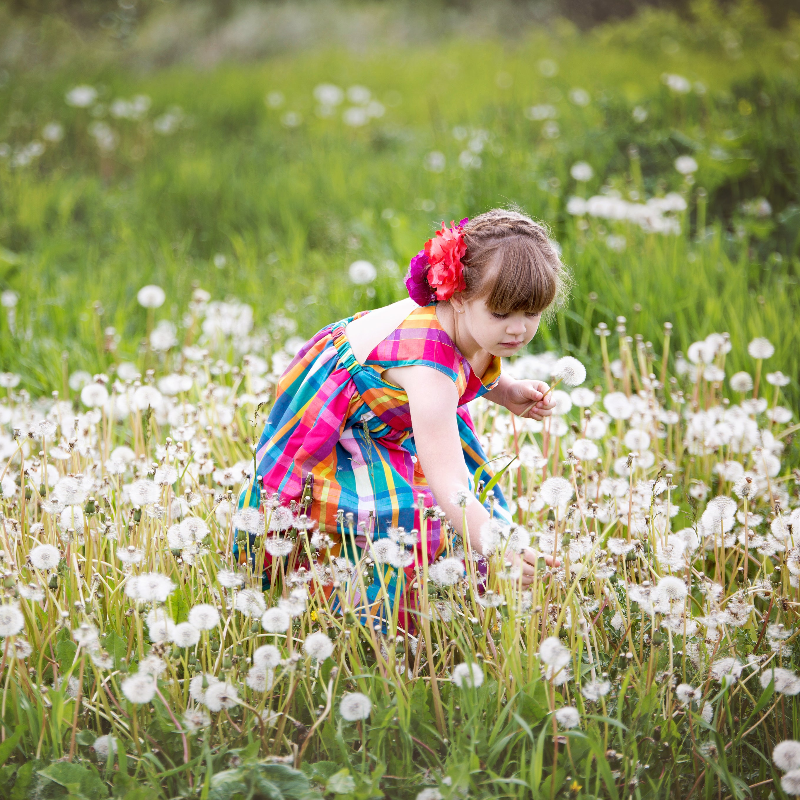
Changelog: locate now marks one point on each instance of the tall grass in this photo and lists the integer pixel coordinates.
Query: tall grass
(291, 207)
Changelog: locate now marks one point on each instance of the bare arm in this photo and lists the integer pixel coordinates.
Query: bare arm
(433, 402)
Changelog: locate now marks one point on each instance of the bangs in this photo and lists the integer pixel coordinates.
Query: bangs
(521, 277)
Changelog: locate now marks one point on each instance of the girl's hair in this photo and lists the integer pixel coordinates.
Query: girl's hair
(511, 261)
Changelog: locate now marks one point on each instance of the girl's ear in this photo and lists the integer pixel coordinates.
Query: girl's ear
(457, 302)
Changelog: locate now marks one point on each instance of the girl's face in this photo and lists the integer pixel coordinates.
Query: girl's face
(499, 334)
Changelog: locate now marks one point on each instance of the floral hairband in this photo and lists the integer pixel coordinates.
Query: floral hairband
(436, 272)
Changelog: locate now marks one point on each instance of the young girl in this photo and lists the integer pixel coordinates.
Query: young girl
(370, 419)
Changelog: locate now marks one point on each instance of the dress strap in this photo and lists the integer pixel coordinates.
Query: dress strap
(420, 340)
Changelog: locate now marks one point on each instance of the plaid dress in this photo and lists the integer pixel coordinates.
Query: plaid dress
(339, 421)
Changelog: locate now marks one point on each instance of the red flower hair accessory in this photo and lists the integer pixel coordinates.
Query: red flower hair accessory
(436, 272)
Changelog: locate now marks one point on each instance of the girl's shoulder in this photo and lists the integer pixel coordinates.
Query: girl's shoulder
(418, 340)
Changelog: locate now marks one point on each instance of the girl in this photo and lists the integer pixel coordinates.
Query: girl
(370, 421)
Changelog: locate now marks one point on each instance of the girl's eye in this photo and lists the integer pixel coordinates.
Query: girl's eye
(499, 316)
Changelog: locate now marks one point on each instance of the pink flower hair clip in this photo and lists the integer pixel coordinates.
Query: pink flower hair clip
(436, 272)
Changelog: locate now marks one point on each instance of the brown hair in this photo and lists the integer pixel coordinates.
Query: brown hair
(511, 261)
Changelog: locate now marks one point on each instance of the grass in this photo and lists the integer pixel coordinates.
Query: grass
(677, 595)
(291, 207)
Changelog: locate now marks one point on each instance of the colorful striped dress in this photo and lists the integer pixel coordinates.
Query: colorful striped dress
(341, 422)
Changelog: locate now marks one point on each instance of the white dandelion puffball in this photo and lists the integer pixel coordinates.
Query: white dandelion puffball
(204, 616)
(582, 397)
(671, 588)
(196, 689)
(467, 674)
(761, 348)
(103, 745)
(355, 706)
(276, 620)
(229, 579)
(11, 620)
(250, 602)
(149, 587)
(556, 492)
(362, 272)
(553, 653)
(585, 450)
(786, 755)
(139, 688)
(318, 646)
(686, 165)
(568, 717)
(94, 395)
(786, 682)
(220, 695)
(741, 382)
(71, 518)
(144, 492)
(618, 405)
(81, 96)
(260, 679)
(446, 572)
(151, 296)
(686, 693)
(45, 556)
(570, 371)
(581, 171)
(266, 657)
(790, 782)
(185, 634)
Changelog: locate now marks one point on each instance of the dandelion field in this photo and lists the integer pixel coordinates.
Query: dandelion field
(165, 255)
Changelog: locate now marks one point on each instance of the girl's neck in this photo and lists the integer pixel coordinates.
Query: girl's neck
(478, 358)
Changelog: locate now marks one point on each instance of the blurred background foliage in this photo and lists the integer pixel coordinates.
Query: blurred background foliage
(203, 155)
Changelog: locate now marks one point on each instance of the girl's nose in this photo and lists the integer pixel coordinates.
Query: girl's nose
(516, 328)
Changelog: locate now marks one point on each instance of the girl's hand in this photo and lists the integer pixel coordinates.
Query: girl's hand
(521, 394)
(526, 562)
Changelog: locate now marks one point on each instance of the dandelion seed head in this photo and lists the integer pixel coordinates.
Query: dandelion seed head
(276, 620)
(318, 646)
(45, 556)
(195, 719)
(260, 679)
(250, 602)
(467, 674)
(786, 755)
(151, 296)
(553, 653)
(204, 616)
(687, 694)
(220, 695)
(568, 717)
(594, 690)
(741, 382)
(11, 620)
(556, 492)
(786, 682)
(103, 745)
(761, 348)
(355, 706)
(447, 571)
(266, 657)
(185, 635)
(790, 782)
(139, 688)
(149, 587)
(229, 580)
(569, 371)
(196, 689)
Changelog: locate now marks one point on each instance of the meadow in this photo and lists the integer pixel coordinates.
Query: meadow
(170, 238)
